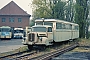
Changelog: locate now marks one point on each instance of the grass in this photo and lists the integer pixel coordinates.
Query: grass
(48, 49)
(83, 42)
(21, 49)
(81, 49)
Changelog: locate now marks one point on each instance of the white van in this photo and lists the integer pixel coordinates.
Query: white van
(18, 32)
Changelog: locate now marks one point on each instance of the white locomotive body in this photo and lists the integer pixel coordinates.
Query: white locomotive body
(40, 35)
(47, 31)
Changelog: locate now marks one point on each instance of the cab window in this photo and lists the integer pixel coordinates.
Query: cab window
(49, 29)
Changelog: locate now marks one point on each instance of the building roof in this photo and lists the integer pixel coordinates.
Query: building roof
(12, 9)
(54, 20)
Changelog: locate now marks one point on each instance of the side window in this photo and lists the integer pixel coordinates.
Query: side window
(48, 23)
(39, 23)
(73, 27)
(70, 26)
(58, 25)
(63, 26)
(67, 26)
(76, 28)
(49, 29)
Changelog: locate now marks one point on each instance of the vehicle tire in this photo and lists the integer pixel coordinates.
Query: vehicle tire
(30, 47)
(43, 47)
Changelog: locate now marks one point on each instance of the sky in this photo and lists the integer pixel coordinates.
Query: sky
(24, 4)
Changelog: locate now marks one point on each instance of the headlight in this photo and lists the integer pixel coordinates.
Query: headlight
(14, 36)
(40, 38)
(22, 35)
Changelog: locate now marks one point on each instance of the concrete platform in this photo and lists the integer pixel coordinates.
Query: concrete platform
(10, 45)
(4, 49)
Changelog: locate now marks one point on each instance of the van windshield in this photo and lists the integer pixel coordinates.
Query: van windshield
(18, 31)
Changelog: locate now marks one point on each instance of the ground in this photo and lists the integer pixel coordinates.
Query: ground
(79, 53)
(10, 45)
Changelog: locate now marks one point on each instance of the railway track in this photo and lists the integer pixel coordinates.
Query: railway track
(28, 55)
(24, 56)
(17, 56)
(50, 55)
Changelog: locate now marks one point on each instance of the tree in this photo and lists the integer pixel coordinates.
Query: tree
(88, 21)
(48, 9)
(42, 9)
(58, 9)
(81, 16)
(70, 11)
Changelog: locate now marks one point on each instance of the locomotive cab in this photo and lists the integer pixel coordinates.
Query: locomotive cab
(39, 35)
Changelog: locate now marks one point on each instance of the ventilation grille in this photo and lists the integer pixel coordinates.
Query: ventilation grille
(31, 37)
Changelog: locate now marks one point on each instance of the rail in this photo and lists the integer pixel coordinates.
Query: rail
(26, 56)
(18, 55)
(55, 53)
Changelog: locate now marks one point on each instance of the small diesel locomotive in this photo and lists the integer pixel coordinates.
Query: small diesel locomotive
(47, 31)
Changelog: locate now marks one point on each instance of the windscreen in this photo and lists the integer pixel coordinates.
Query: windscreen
(5, 29)
(18, 31)
(39, 29)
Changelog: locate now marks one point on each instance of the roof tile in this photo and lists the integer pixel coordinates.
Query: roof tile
(12, 9)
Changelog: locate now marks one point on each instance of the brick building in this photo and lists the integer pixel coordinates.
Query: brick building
(14, 16)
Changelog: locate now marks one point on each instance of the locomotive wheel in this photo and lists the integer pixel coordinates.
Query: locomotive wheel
(30, 47)
(43, 47)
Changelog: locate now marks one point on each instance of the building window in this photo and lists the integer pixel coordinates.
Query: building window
(11, 19)
(19, 20)
(3, 19)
